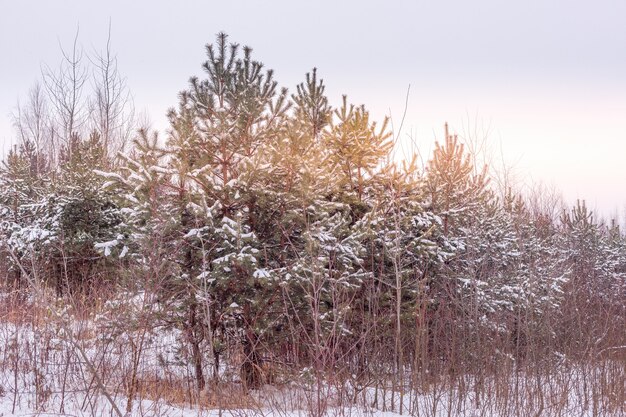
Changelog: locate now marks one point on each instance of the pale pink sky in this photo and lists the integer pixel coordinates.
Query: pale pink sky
(545, 76)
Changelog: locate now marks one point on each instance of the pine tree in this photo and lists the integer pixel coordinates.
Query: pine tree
(219, 137)
(356, 147)
(455, 191)
(21, 192)
(81, 214)
(225, 120)
(405, 248)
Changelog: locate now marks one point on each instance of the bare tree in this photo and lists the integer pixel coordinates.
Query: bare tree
(65, 91)
(33, 125)
(111, 108)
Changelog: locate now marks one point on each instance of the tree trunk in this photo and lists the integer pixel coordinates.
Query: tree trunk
(194, 341)
(251, 371)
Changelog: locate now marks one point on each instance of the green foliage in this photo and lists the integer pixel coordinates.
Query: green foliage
(273, 220)
(356, 147)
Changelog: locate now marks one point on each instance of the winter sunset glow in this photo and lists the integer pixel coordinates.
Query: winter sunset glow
(330, 208)
(544, 80)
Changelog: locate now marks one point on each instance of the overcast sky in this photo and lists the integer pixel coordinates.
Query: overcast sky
(545, 78)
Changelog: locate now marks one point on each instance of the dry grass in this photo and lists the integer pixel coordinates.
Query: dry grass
(227, 396)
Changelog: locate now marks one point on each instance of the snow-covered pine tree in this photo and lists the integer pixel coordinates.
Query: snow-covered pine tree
(541, 274)
(405, 245)
(142, 186)
(22, 188)
(596, 282)
(356, 146)
(80, 214)
(219, 136)
(455, 191)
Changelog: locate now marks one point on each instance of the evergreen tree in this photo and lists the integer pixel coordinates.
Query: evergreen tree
(219, 138)
(80, 215)
(356, 147)
(455, 191)
(21, 191)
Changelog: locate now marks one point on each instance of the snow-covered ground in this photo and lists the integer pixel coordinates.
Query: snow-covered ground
(43, 374)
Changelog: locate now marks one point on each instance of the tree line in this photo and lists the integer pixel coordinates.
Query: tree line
(279, 232)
